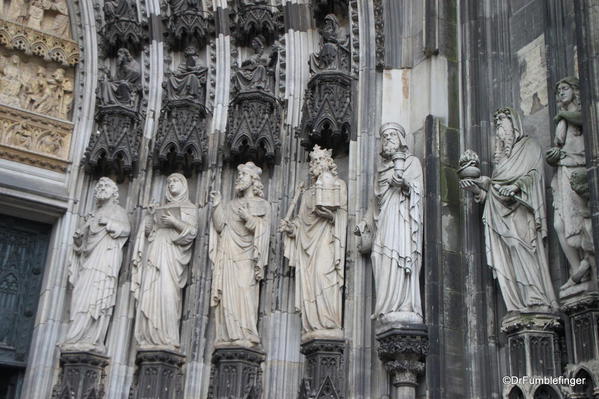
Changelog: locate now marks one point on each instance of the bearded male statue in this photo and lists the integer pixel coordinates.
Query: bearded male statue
(396, 219)
(98, 256)
(239, 242)
(315, 246)
(514, 217)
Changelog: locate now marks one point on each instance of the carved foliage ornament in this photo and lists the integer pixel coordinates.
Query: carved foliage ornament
(186, 20)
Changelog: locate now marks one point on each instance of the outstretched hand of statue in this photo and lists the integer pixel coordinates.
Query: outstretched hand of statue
(287, 227)
(470, 185)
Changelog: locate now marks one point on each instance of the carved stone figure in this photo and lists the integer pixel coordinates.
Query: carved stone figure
(124, 89)
(60, 24)
(514, 217)
(239, 241)
(121, 27)
(315, 246)
(115, 10)
(397, 222)
(189, 81)
(572, 220)
(17, 11)
(55, 99)
(10, 80)
(161, 268)
(35, 14)
(334, 52)
(94, 273)
(256, 73)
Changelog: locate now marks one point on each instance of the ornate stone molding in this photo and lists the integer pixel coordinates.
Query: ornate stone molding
(158, 375)
(34, 139)
(121, 26)
(581, 303)
(379, 29)
(327, 112)
(517, 322)
(114, 147)
(181, 143)
(253, 126)
(34, 42)
(236, 373)
(82, 376)
(325, 369)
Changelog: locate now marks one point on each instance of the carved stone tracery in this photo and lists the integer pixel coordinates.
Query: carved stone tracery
(186, 21)
(122, 27)
(255, 17)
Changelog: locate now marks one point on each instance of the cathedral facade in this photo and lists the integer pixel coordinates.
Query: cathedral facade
(359, 199)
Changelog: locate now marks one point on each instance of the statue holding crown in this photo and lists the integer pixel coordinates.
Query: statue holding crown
(239, 241)
(315, 246)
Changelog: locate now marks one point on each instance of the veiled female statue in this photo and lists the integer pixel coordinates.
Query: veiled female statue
(94, 272)
(161, 273)
(239, 240)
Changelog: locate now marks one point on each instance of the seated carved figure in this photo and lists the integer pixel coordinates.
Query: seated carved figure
(256, 72)
(333, 53)
(124, 88)
(189, 81)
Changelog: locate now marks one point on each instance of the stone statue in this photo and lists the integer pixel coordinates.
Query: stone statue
(239, 241)
(334, 52)
(35, 89)
(189, 81)
(572, 220)
(396, 219)
(10, 80)
(94, 273)
(125, 88)
(514, 216)
(161, 272)
(257, 72)
(315, 246)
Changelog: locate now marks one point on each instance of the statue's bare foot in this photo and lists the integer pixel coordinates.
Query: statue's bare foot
(569, 283)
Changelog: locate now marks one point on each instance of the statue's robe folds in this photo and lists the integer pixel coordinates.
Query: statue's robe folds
(94, 277)
(397, 246)
(317, 252)
(164, 274)
(515, 229)
(239, 254)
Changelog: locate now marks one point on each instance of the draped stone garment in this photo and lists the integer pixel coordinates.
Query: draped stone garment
(318, 253)
(239, 254)
(397, 246)
(515, 229)
(94, 277)
(164, 273)
(570, 208)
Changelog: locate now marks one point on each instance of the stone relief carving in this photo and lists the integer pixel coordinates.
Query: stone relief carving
(114, 146)
(51, 16)
(122, 27)
(239, 242)
(98, 246)
(396, 218)
(572, 221)
(254, 115)
(186, 21)
(162, 252)
(514, 215)
(181, 143)
(327, 108)
(32, 42)
(314, 243)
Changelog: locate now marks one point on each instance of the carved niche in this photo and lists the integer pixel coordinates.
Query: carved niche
(186, 21)
(251, 18)
(327, 109)
(122, 27)
(113, 148)
(254, 115)
(181, 143)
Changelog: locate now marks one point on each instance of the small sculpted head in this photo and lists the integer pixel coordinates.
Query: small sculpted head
(106, 189)
(257, 44)
(330, 28)
(124, 56)
(174, 185)
(393, 139)
(321, 160)
(176, 188)
(567, 91)
(248, 177)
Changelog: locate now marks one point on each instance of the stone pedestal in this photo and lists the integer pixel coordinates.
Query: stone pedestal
(82, 376)
(159, 375)
(533, 349)
(236, 373)
(403, 351)
(324, 374)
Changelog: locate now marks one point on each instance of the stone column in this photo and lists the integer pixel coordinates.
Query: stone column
(533, 347)
(159, 375)
(324, 374)
(82, 376)
(403, 352)
(236, 373)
